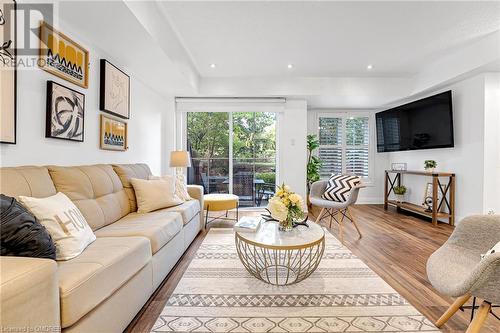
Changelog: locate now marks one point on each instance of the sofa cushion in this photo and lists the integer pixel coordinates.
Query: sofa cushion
(95, 189)
(188, 210)
(127, 172)
(29, 181)
(97, 273)
(159, 227)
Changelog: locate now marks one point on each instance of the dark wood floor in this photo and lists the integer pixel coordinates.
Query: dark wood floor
(396, 246)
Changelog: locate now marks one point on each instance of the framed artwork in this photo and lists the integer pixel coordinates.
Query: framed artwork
(8, 72)
(65, 117)
(398, 166)
(63, 57)
(428, 193)
(114, 94)
(113, 134)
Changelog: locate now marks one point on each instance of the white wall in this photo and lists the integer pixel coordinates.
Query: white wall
(292, 145)
(151, 124)
(466, 159)
(492, 143)
(374, 192)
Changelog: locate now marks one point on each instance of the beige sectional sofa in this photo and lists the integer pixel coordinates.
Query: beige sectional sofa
(102, 289)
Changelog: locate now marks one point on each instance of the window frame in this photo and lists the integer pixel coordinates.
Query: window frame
(344, 115)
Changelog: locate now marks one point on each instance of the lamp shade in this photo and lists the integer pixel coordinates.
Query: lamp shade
(180, 159)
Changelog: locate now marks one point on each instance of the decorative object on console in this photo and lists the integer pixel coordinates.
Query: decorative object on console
(113, 135)
(8, 72)
(22, 235)
(398, 166)
(399, 192)
(64, 222)
(286, 207)
(114, 92)
(428, 202)
(430, 165)
(62, 57)
(428, 194)
(65, 113)
(339, 187)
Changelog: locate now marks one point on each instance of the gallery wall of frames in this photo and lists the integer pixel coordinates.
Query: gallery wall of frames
(68, 62)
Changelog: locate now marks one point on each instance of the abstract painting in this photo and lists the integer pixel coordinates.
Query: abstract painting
(65, 113)
(8, 74)
(61, 56)
(113, 134)
(114, 95)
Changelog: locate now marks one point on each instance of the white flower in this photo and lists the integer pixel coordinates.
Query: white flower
(278, 209)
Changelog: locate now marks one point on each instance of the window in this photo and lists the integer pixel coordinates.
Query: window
(233, 153)
(344, 144)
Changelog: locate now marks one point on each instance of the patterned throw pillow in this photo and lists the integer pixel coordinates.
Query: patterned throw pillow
(494, 249)
(339, 187)
(64, 222)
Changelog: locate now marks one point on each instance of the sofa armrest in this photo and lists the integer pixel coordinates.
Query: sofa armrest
(29, 295)
(196, 192)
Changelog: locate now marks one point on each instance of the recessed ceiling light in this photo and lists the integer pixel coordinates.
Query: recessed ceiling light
(369, 67)
(213, 65)
(290, 66)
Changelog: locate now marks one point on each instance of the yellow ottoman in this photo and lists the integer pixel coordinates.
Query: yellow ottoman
(217, 202)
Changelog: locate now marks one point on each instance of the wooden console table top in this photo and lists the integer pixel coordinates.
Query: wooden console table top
(422, 173)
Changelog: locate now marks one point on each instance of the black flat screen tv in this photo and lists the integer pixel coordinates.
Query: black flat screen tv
(423, 124)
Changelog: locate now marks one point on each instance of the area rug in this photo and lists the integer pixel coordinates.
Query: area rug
(217, 294)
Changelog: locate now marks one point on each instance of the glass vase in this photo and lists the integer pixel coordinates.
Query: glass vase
(286, 225)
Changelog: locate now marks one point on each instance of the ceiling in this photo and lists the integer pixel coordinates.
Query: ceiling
(325, 39)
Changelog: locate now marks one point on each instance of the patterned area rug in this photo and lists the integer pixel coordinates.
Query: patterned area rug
(217, 294)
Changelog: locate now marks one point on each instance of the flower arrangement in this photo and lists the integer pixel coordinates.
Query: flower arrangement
(430, 165)
(286, 207)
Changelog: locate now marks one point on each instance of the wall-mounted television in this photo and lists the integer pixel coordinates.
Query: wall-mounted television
(423, 124)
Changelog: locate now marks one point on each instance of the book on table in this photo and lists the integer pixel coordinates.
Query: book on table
(248, 224)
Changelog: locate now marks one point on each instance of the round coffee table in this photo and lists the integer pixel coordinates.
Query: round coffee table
(281, 258)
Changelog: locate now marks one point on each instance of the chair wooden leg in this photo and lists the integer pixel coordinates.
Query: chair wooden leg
(318, 219)
(341, 227)
(452, 309)
(331, 212)
(479, 318)
(353, 221)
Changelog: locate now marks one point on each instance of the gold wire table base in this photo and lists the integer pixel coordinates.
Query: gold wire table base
(280, 266)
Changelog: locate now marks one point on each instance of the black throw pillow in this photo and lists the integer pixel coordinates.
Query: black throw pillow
(21, 234)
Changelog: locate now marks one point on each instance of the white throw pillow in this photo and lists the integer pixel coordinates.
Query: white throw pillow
(180, 186)
(64, 222)
(494, 249)
(154, 194)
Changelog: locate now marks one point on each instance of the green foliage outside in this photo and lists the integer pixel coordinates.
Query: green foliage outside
(267, 177)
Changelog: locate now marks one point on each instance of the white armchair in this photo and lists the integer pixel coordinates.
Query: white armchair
(337, 211)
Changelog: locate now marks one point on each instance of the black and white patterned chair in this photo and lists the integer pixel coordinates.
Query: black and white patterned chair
(335, 210)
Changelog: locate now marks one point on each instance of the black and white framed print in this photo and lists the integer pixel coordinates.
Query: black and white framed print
(8, 73)
(114, 94)
(65, 113)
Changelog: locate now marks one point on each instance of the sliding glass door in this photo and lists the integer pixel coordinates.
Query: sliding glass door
(233, 153)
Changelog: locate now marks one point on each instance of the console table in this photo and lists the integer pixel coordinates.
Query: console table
(446, 189)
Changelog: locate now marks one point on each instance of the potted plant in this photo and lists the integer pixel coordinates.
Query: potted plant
(400, 191)
(313, 162)
(430, 165)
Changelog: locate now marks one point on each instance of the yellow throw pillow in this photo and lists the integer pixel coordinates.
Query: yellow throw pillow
(180, 186)
(64, 222)
(154, 194)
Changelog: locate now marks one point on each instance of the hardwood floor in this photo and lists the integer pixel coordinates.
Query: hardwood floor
(396, 246)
